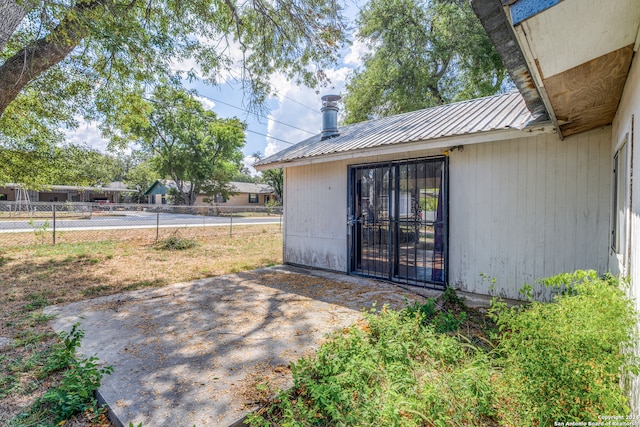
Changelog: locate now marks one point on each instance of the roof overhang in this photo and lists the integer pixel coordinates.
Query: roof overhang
(573, 56)
(408, 148)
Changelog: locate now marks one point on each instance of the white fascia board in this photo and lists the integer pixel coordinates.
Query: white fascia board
(409, 147)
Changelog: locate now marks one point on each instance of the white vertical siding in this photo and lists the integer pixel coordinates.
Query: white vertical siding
(316, 216)
(528, 208)
(519, 210)
(629, 108)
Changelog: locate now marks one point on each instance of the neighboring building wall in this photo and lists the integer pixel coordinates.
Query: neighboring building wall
(529, 208)
(241, 199)
(9, 194)
(627, 122)
(519, 210)
(52, 197)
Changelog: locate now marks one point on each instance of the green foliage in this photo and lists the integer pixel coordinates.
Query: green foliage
(273, 177)
(74, 393)
(554, 362)
(563, 361)
(450, 296)
(189, 144)
(442, 320)
(422, 53)
(125, 48)
(175, 243)
(391, 370)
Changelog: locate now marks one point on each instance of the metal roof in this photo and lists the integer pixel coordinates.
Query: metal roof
(55, 187)
(251, 187)
(498, 112)
(160, 186)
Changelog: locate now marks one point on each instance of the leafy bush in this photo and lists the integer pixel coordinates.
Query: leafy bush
(441, 319)
(175, 243)
(390, 370)
(74, 394)
(554, 362)
(563, 361)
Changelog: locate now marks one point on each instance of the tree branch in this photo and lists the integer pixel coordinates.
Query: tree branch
(42, 54)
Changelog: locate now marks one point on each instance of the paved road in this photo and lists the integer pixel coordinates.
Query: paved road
(128, 220)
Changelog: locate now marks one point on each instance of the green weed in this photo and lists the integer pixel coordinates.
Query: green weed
(554, 362)
(392, 370)
(175, 243)
(441, 319)
(74, 392)
(563, 361)
(36, 300)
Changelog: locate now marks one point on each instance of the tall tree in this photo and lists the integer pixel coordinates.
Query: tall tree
(422, 53)
(189, 144)
(60, 61)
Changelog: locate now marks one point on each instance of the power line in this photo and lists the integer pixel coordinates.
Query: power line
(247, 111)
(246, 129)
(269, 136)
(315, 110)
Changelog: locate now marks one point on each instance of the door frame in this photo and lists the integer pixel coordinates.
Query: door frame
(354, 245)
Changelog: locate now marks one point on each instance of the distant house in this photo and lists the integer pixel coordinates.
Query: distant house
(247, 194)
(115, 192)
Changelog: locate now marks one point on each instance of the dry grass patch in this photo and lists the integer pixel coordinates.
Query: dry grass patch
(107, 262)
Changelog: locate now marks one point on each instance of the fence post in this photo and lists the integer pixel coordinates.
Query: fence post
(280, 221)
(157, 225)
(53, 208)
(231, 225)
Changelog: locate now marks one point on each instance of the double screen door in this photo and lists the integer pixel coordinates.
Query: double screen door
(398, 221)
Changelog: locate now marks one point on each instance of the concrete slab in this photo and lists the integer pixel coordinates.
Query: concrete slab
(190, 353)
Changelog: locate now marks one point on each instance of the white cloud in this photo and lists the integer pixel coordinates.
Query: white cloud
(356, 52)
(248, 162)
(187, 65)
(87, 133)
(206, 102)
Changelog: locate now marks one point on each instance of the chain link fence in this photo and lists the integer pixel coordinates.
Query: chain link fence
(52, 223)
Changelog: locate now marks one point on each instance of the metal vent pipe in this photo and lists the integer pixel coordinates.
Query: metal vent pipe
(330, 116)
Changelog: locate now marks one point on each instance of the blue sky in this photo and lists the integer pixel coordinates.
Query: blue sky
(292, 116)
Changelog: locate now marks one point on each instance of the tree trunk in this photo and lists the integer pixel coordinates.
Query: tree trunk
(11, 14)
(41, 54)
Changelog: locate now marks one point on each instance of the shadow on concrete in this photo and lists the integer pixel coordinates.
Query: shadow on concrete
(189, 354)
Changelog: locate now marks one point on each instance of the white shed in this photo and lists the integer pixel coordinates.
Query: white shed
(524, 192)
(449, 195)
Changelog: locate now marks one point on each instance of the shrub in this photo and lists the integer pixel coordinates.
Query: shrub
(391, 370)
(442, 320)
(175, 243)
(74, 394)
(563, 361)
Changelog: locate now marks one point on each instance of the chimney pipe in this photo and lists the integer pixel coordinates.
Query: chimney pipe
(330, 116)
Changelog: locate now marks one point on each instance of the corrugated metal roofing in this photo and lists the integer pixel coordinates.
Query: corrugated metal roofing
(161, 186)
(250, 187)
(505, 111)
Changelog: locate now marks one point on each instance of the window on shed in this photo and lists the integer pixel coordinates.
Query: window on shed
(620, 199)
(253, 198)
(3, 196)
(218, 198)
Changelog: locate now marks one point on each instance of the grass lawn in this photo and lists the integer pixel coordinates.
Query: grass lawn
(35, 276)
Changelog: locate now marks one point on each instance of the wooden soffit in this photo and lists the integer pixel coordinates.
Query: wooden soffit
(587, 96)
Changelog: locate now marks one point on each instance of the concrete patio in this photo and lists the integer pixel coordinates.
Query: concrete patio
(192, 353)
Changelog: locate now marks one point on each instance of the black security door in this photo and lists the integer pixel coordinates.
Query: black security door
(398, 221)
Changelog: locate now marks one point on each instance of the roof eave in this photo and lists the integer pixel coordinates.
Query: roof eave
(493, 17)
(539, 127)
